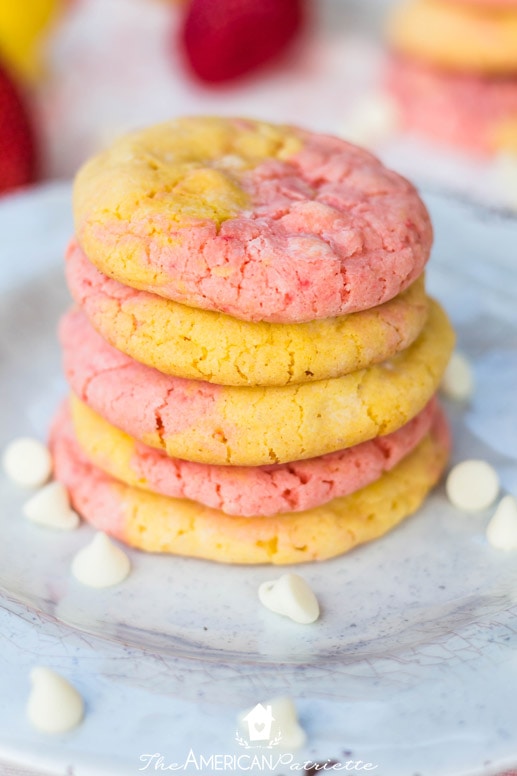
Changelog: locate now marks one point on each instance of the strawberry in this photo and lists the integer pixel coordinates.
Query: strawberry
(17, 155)
(224, 39)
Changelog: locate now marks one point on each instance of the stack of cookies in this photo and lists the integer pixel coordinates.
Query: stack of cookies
(253, 358)
(454, 76)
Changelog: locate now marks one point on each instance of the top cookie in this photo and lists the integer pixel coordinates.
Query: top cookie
(258, 221)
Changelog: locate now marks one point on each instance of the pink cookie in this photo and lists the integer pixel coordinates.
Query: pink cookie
(258, 221)
(246, 491)
(252, 426)
(465, 111)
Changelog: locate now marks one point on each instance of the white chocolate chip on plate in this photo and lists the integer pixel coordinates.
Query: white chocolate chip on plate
(50, 507)
(291, 596)
(54, 705)
(472, 485)
(458, 380)
(27, 462)
(501, 531)
(505, 174)
(101, 563)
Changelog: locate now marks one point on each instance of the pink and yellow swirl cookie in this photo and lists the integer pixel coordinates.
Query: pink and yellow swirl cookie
(252, 426)
(258, 221)
(475, 112)
(211, 346)
(160, 524)
(456, 36)
(246, 490)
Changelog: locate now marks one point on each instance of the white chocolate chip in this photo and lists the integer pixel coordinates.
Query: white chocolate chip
(54, 706)
(293, 735)
(458, 381)
(291, 596)
(273, 722)
(372, 120)
(505, 169)
(50, 506)
(27, 462)
(472, 485)
(101, 563)
(501, 531)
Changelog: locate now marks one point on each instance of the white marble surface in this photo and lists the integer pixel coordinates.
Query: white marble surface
(413, 665)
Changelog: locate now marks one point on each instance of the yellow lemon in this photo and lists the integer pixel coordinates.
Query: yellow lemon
(21, 28)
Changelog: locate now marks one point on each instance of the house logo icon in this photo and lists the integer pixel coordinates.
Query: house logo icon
(259, 722)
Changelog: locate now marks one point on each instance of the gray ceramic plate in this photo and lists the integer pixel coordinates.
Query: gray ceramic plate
(412, 666)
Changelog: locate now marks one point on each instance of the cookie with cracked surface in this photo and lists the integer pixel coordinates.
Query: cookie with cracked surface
(161, 524)
(252, 426)
(263, 222)
(205, 345)
(477, 113)
(456, 36)
(245, 490)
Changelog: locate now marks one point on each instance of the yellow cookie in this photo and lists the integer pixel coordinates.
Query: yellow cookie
(205, 345)
(161, 524)
(215, 424)
(456, 36)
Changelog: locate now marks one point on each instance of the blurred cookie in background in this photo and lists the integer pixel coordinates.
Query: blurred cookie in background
(475, 113)
(456, 36)
(453, 74)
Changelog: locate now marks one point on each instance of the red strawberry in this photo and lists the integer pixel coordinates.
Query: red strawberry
(17, 155)
(224, 39)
